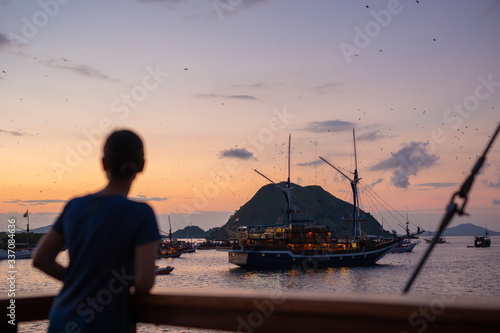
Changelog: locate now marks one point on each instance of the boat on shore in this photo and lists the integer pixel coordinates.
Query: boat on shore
(305, 244)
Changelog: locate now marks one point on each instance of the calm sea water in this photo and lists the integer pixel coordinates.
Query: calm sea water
(452, 269)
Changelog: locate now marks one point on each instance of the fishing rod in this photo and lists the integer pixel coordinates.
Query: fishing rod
(453, 208)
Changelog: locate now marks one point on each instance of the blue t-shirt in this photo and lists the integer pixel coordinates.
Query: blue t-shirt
(101, 233)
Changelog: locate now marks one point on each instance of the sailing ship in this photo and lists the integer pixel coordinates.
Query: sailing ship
(305, 244)
(19, 250)
(482, 241)
(171, 248)
(405, 246)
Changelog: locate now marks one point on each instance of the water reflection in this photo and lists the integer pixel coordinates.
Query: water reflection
(453, 269)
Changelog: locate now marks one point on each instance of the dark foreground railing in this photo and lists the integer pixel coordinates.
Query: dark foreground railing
(277, 311)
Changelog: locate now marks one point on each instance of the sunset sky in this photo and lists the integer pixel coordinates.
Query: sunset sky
(215, 87)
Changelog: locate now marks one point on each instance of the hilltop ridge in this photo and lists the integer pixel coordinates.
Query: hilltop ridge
(311, 202)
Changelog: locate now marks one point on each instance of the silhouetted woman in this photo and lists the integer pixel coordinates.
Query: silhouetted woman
(112, 243)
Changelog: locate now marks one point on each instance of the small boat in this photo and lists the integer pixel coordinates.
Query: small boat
(404, 246)
(15, 251)
(482, 241)
(208, 245)
(440, 240)
(223, 246)
(170, 249)
(169, 252)
(190, 248)
(164, 270)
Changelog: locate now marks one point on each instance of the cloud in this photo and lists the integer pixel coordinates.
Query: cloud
(378, 181)
(14, 133)
(84, 70)
(242, 97)
(245, 4)
(4, 40)
(166, 1)
(437, 185)
(496, 202)
(408, 161)
(221, 8)
(313, 163)
(34, 202)
(492, 184)
(240, 153)
(491, 9)
(329, 126)
(325, 88)
(141, 197)
(370, 136)
(253, 85)
(219, 96)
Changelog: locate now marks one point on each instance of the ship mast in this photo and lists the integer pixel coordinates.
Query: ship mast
(170, 230)
(354, 187)
(27, 215)
(287, 189)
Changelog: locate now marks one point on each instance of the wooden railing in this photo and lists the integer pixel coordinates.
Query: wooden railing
(277, 311)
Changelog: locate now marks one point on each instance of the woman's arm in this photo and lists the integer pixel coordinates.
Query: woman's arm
(145, 270)
(46, 252)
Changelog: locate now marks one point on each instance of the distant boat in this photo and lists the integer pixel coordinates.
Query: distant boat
(429, 239)
(190, 248)
(440, 240)
(404, 246)
(482, 241)
(19, 250)
(170, 249)
(169, 252)
(207, 245)
(164, 270)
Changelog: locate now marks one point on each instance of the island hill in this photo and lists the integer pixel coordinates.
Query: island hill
(309, 203)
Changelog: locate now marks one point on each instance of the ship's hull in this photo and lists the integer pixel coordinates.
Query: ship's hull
(20, 254)
(404, 248)
(482, 242)
(271, 259)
